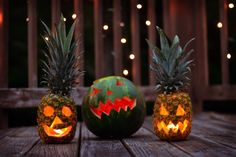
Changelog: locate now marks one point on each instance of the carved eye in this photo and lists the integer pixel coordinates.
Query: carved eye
(48, 111)
(180, 111)
(95, 91)
(66, 111)
(119, 83)
(163, 111)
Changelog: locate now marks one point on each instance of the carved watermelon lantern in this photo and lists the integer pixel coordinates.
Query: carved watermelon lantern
(113, 107)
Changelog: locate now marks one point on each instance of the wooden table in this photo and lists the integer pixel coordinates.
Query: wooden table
(212, 135)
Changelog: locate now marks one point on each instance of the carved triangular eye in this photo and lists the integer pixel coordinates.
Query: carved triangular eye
(163, 111)
(180, 111)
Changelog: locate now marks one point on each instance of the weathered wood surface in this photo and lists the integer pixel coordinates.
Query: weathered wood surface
(212, 135)
(30, 97)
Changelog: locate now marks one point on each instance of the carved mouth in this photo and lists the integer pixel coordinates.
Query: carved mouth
(118, 105)
(180, 126)
(50, 131)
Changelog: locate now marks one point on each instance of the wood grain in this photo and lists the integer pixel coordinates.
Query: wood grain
(18, 142)
(30, 97)
(92, 146)
(32, 44)
(58, 150)
(199, 145)
(145, 143)
(135, 37)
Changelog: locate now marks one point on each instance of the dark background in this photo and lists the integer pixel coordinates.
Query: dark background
(18, 47)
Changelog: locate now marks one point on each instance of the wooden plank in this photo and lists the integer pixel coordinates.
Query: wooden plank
(151, 36)
(30, 97)
(231, 119)
(145, 143)
(32, 44)
(92, 146)
(59, 150)
(117, 37)
(5, 132)
(219, 92)
(224, 41)
(18, 142)
(3, 43)
(217, 131)
(135, 37)
(200, 55)
(99, 56)
(55, 11)
(196, 145)
(79, 35)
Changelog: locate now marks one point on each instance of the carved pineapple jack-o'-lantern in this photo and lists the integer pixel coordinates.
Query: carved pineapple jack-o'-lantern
(56, 112)
(172, 115)
(57, 119)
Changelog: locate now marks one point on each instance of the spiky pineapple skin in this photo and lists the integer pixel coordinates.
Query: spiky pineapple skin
(57, 102)
(171, 102)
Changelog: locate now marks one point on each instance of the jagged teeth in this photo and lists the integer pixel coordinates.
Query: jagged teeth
(179, 126)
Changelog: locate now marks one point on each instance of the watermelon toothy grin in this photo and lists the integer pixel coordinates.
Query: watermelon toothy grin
(123, 103)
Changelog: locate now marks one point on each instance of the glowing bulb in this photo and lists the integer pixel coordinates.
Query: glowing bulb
(105, 27)
(27, 19)
(64, 19)
(231, 5)
(125, 72)
(219, 25)
(123, 40)
(139, 6)
(229, 56)
(122, 24)
(131, 56)
(46, 38)
(148, 23)
(74, 16)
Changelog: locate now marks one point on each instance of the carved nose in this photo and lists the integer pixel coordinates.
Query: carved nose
(56, 121)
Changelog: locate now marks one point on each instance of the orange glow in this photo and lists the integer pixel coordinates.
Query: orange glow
(1, 18)
(163, 111)
(66, 111)
(48, 111)
(50, 131)
(171, 126)
(180, 111)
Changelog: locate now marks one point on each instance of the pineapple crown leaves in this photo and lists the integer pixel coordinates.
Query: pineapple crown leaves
(61, 65)
(171, 64)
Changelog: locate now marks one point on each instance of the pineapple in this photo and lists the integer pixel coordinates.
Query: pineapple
(172, 115)
(57, 117)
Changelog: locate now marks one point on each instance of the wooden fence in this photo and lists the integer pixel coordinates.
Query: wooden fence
(183, 17)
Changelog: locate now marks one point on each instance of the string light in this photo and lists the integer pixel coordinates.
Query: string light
(219, 25)
(123, 40)
(231, 5)
(125, 72)
(46, 38)
(74, 16)
(64, 19)
(131, 56)
(139, 6)
(229, 56)
(27, 19)
(105, 27)
(148, 23)
(122, 24)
